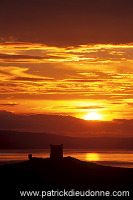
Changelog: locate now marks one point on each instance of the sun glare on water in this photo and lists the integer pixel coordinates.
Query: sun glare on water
(92, 116)
(92, 157)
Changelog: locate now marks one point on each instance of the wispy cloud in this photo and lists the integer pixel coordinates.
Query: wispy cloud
(28, 52)
(9, 104)
(98, 72)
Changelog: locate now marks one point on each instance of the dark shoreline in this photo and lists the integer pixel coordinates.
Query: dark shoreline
(67, 173)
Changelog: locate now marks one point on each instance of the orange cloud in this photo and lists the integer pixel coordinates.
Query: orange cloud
(86, 72)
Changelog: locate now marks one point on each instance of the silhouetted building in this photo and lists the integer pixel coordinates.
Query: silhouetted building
(56, 151)
(30, 156)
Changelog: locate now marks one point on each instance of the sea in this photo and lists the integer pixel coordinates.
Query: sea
(115, 158)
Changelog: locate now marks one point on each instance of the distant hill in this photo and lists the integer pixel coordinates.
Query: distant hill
(65, 125)
(26, 140)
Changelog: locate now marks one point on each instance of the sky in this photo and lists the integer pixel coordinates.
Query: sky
(68, 58)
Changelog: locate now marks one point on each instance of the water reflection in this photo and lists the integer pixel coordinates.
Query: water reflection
(120, 158)
(92, 157)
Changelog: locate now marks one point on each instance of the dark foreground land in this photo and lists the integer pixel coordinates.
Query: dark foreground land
(67, 173)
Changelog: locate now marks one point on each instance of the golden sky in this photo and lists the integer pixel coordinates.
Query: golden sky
(69, 80)
(69, 58)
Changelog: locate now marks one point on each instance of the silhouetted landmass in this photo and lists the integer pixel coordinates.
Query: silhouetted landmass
(65, 125)
(67, 173)
(26, 140)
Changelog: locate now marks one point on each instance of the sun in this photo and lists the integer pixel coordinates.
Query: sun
(92, 116)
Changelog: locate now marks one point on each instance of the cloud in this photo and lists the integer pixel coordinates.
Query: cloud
(89, 107)
(78, 107)
(8, 56)
(9, 104)
(27, 58)
(20, 74)
(32, 79)
(82, 80)
(86, 72)
(83, 54)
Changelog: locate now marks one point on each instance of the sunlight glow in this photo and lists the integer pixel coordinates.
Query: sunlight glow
(92, 157)
(92, 116)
